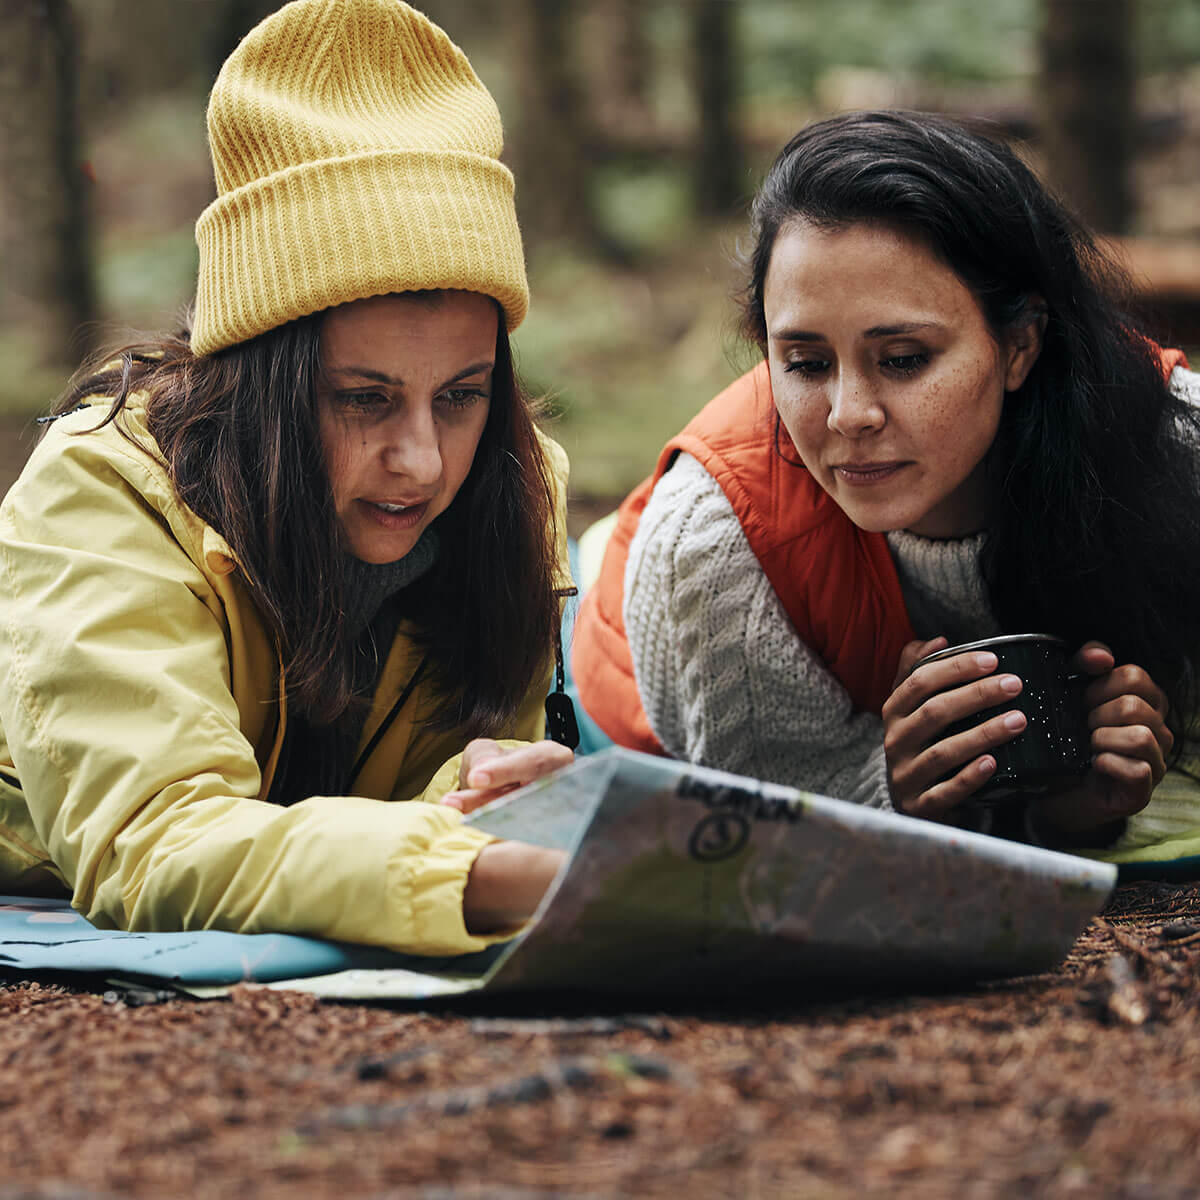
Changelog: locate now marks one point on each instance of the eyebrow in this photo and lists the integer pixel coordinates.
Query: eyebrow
(876, 331)
(396, 381)
(903, 327)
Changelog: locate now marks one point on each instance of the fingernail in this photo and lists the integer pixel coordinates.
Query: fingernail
(986, 661)
(986, 765)
(1014, 720)
(481, 779)
(1010, 684)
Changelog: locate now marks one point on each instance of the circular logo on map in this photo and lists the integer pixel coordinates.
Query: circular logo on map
(719, 836)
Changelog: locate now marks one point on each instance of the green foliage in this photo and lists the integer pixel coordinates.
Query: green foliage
(26, 386)
(790, 45)
(625, 357)
(147, 279)
(642, 210)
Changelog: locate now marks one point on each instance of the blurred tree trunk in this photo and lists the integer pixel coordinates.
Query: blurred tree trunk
(1089, 106)
(45, 233)
(716, 166)
(627, 62)
(549, 137)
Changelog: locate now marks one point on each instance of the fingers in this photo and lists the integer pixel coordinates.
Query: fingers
(913, 653)
(1093, 658)
(936, 803)
(947, 708)
(1134, 776)
(1117, 786)
(930, 774)
(937, 677)
(1136, 743)
(523, 765)
(467, 800)
(940, 777)
(1130, 742)
(1127, 714)
(477, 751)
(490, 770)
(1126, 680)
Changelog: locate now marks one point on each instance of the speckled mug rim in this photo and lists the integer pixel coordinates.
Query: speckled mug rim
(1003, 639)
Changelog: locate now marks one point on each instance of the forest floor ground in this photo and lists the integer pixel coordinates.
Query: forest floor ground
(1081, 1082)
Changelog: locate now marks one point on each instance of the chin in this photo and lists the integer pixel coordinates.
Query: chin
(379, 556)
(877, 522)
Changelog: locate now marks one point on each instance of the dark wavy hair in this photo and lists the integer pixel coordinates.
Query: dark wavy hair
(239, 432)
(1095, 526)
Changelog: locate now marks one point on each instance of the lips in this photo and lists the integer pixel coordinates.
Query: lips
(867, 472)
(395, 514)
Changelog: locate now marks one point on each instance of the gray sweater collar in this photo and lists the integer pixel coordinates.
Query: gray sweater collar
(367, 585)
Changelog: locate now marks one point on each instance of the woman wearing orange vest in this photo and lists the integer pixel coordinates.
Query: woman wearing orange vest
(957, 431)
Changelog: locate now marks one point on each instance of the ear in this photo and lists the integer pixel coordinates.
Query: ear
(1023, 343)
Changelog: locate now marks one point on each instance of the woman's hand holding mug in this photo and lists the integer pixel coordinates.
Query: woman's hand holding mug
(938, 759)
(1130, 742)
(929, 773)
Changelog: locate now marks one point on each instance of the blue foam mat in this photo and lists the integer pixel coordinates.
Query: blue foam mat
(48, 935)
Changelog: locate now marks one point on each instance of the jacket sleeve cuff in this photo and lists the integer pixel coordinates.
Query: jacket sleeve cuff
(437, 880)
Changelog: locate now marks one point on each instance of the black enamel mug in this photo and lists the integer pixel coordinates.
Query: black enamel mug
(1053, 751)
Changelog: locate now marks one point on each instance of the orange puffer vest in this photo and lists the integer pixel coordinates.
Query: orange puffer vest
(837, 583)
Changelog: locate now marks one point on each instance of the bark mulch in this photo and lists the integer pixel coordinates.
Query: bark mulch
(1082, 1082)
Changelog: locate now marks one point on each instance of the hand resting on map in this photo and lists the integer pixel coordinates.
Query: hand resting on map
(508, 879)
(506, 885)
(489, 770)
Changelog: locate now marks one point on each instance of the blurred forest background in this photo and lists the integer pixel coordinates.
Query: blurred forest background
(638, 130)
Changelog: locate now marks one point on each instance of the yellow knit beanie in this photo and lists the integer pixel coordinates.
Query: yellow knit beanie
(355, 154)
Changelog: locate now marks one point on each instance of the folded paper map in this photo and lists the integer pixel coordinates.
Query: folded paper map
(682, 879)
(676, 879)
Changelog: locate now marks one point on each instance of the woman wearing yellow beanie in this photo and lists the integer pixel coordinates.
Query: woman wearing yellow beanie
(264, 581)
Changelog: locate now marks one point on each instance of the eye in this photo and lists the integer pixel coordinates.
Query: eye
(461, 397)
(366, 401)
(904, 364)
(806, 366)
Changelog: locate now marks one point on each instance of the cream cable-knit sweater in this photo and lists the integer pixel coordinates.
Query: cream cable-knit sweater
(726, 682)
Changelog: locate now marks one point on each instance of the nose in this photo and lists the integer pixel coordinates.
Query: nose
(854, 409)
(411, 446)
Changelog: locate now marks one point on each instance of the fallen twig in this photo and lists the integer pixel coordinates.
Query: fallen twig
(1118, 995)
(498, 1027)
(571, 1074)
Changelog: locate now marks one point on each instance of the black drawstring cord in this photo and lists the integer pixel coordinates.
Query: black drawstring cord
(561, 725)
(386, 723)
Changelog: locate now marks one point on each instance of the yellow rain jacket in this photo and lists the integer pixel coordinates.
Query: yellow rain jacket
(142, 717)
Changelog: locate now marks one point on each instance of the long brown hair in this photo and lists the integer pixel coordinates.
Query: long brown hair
(239, 433)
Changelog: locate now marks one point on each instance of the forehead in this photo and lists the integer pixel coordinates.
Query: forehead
(442, 322)
(869, 270)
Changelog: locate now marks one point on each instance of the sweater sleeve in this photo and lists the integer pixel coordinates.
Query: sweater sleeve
(723, 678)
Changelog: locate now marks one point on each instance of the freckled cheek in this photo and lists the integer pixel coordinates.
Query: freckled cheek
(802, 424)
(959, 409)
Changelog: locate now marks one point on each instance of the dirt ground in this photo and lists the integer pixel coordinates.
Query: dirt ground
(1082, 1082)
